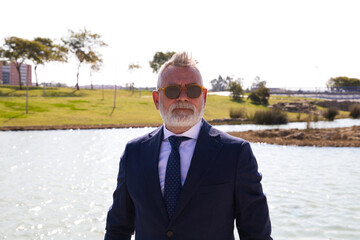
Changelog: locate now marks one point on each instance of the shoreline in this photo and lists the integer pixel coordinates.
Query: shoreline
(316, 137)
(324, 137)
(108, 126)
(73, 126)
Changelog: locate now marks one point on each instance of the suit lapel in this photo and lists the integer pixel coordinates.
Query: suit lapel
(152, 150)
(206, 150)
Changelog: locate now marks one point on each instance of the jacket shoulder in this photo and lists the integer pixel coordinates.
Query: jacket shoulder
(145, 137)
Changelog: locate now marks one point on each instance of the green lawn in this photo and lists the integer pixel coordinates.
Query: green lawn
(65, 106)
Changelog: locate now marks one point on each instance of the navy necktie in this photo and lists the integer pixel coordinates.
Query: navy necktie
(173, 175)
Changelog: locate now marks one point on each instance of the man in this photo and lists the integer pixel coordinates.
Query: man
(186, 180)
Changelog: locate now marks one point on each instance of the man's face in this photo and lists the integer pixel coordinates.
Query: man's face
(183, 111)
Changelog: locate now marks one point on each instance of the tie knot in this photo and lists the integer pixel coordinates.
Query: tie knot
(176, 141)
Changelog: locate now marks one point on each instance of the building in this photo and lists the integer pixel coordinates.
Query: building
(9, 74)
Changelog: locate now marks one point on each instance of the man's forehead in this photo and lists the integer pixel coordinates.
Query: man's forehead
(176, 74)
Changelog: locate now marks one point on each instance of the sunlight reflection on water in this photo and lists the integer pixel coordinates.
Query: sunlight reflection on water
(59, 185)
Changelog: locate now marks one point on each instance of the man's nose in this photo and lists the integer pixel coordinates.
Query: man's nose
(183, 96)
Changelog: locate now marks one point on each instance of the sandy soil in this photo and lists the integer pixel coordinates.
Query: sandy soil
(327, 137)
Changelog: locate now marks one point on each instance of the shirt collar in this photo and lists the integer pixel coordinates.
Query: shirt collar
(192, 133)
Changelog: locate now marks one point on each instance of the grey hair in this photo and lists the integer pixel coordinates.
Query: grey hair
(180, 59)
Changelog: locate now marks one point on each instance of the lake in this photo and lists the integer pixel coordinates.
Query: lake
(59, 184)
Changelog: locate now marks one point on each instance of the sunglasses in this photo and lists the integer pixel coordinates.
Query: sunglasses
(173, 91)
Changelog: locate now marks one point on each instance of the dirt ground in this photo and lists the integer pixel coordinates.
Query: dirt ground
(327, 137)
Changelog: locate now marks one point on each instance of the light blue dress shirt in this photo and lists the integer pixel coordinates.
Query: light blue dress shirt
(186, 150)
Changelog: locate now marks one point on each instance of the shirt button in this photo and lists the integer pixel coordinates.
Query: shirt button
(169, 234)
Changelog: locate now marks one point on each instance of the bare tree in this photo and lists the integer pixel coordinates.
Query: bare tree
(83, 45)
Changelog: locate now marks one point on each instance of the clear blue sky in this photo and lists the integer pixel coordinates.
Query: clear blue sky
(287, 43)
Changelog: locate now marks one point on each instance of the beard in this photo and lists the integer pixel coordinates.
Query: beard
(175, 118)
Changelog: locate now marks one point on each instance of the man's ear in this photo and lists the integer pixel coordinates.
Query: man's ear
(156, 99)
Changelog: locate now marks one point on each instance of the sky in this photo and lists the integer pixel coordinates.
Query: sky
(288, 43)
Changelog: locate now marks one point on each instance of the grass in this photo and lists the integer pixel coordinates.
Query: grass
(237, 113)
(65, 106)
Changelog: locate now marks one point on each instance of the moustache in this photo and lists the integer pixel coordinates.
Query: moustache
(182, 105)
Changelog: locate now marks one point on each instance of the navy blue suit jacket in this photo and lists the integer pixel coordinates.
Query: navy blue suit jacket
(222, 185)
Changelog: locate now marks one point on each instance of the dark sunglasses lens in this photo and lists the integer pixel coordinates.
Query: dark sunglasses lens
(193, 91)
(172, 92)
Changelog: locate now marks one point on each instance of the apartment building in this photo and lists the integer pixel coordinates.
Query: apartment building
(9, 74)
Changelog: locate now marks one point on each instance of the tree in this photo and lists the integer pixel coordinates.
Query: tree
(220, 84)
(16, 50)
(94, 68)
(83, 45)
(133, 66)
(261, 94)
(343, 84)
(159, 59)
(236, 90)
(45, 50)
(258, 83)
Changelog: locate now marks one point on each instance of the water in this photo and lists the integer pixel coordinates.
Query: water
(313, 193)
(347, 122)
(59, 185)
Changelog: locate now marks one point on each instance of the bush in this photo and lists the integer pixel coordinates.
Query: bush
(273, 116)
(260, 95)
(355, 111)
(237, 113)
(330, 113)
(236, 90)
(254, 98)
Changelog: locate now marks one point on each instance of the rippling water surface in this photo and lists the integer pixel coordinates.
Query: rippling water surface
(299, 125)
(59, 184)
